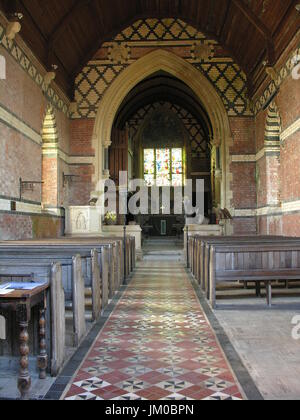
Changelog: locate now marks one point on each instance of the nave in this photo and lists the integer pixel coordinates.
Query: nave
(156, 345)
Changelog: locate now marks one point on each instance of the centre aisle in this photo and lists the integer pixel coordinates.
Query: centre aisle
(157, 345)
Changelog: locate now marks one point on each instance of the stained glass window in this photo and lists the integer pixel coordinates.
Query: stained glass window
(163, 167)
(149, 167)
(177, 168)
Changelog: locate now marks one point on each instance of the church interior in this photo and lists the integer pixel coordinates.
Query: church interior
(160, 302)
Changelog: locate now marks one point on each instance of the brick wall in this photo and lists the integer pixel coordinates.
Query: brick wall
(81, 187)
(281, 173)
(19, 158)
(243, 173)
(16, 226)
(81, 145)
(20, 94)
(81, 137)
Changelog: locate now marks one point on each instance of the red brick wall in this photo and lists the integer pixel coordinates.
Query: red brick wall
(291, 224)
(81, 145)
(243, 173)
(244, 226)
(81, 137)
(260, 128)
(243, 133)
(80, 188)
(244, 185)
(64, 131)
(288, 102)
(19, 158)
(22, 158)
(20, 94)
(15, 226)
(283, 174)
(50, 180)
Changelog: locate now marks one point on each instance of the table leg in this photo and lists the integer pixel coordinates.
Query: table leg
(43, 357)
(24, 380)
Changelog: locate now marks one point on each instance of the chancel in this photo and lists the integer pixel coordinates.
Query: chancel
(149, 201)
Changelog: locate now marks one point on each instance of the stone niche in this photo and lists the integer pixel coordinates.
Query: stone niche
(82, 221)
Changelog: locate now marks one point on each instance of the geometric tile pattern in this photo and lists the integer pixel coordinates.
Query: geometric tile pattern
(184, 40)
(156, 345)
(198, 139)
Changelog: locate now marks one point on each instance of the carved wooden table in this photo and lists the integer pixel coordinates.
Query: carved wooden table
(22, 301)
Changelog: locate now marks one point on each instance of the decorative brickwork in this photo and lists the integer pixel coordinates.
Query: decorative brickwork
(172, 35)
(198, 138)
(274, 85)
(31, 69)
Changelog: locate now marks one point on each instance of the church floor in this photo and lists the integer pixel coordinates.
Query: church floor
(156, 345)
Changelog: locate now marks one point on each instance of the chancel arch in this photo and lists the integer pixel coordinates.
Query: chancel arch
(156, 61)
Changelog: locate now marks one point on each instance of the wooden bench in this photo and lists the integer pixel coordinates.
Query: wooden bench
(55, 319)
(253, 262)
(201, 252)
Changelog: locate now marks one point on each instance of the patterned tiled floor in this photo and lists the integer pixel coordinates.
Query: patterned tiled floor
(157, 345)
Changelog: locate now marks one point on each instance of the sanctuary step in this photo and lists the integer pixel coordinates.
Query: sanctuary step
(163, 249)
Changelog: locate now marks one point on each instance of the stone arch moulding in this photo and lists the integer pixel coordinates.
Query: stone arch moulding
(50, 161)
(161, 60)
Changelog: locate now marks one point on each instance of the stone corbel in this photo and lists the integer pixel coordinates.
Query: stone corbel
(272, 72)
(13, 28)
(49, 77)
(107, 144)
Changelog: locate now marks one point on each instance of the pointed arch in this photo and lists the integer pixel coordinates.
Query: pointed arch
(49, 129)
(162, 60)
(273, 127)
(50, 170)
(272, 155)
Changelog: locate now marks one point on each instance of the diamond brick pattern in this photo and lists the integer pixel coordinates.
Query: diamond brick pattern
(117, 54)
(168, 350)
(199, 139)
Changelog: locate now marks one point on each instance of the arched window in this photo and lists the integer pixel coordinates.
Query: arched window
(163, 167)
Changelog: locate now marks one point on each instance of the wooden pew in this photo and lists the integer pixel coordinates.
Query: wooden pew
(201, 252)
(72, 277)
(253, 262)
(206, 245)
(50, 274)
(94, 277)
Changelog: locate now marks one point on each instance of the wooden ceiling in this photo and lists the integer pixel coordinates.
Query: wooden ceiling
(69, 32)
